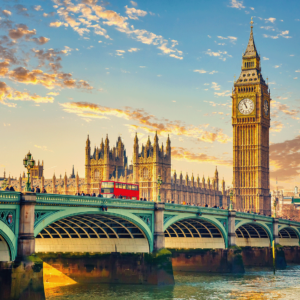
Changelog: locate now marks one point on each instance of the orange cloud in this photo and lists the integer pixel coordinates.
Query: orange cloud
(276, 126)
(146, 122)
(285, 159)
(20, 31)
(8, 93)
(180, 153)
(37, 76)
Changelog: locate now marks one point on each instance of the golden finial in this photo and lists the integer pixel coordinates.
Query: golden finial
(251, 22)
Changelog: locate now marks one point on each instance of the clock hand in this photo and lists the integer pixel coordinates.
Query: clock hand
(246, 105)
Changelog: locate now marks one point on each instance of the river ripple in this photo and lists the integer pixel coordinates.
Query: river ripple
(255, 284)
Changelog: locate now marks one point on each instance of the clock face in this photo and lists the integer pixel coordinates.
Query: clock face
(266, 108)
(246, 106)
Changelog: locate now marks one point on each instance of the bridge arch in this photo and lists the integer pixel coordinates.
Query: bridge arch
(7, 241)
(253, 234)
(107, 231)
(288, 236)
(195, 232)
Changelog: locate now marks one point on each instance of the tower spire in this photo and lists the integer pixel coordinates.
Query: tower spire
(251, 49)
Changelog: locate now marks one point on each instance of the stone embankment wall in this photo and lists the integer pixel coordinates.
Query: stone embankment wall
(122, 268)
(208, 260)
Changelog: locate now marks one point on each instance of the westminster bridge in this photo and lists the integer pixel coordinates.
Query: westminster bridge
(45, 224)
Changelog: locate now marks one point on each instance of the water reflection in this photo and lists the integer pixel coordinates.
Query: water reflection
(253, 285)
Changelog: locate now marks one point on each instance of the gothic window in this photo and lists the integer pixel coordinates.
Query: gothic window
(96, 174)
(145, 173)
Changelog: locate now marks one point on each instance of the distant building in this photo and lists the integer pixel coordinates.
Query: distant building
(73, 173)
(37, 171)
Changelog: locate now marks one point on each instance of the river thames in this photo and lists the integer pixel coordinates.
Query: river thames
(255, 284)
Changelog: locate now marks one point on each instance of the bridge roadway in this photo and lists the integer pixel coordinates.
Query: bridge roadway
(61, 223)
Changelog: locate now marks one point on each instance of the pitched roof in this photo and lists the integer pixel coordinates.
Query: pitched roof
(251, 49)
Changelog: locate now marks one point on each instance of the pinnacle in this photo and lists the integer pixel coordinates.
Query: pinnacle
(251, 49)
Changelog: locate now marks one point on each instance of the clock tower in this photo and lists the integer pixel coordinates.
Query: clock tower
(251, 123)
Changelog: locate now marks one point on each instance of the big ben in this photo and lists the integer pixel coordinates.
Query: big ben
(251, 123)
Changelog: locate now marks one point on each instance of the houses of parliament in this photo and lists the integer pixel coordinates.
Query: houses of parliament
(251, 187)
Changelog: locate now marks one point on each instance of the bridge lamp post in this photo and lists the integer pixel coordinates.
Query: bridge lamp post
(159, 182)
(28, 163)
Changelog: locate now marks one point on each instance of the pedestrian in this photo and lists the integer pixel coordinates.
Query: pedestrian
(37, 190)
(11, 188)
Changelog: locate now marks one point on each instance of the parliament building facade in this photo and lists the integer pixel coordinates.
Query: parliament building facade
(152, 160)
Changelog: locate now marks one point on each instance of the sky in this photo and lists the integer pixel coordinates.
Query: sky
(72, 68)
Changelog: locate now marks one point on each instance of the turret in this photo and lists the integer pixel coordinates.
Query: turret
(66, 184)
(186, 179)
(216, 186)
(20, 183)
(77, 182)
(174, 177)
(223, 186)
(155, 148)
(192, 180)
(208, 183)
(42, 183)
(135, 149)
(53, 184)
(203, 182)
(180, 178)
(106, 151)
(102, 146)
(87, 151)
(198, 181)
(168, 148)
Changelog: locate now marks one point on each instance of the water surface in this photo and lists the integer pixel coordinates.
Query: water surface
(255, 284)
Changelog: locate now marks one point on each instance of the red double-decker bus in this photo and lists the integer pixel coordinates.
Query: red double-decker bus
(112, 189)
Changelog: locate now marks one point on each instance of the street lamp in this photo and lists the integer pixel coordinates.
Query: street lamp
(159, 182)
(28, 163)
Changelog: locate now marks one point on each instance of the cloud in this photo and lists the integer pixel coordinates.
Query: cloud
(283, 34)
(37, 76)
(183, 154)
(285, 159)
(87, 12)
(44, 148)
(232, 39)
(265, 58)
(220, 54)
(120, 52)
(277, 66)
(133, 3)
(134, 13)
(283, 108)
(20, 31)
(237, 4)
(146, 121)
(226, 93)
(58, 24)
(7, 94)
(215, 86)
(272, 20)
(53, 93)
(6, 12)
(37, 7)
(6, 125)
(297, 71)
(133, 49)
(52, 56)
(276, 126)
(203, 71)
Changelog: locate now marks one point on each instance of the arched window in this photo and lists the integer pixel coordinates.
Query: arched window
(96, 174)
(145, 173)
